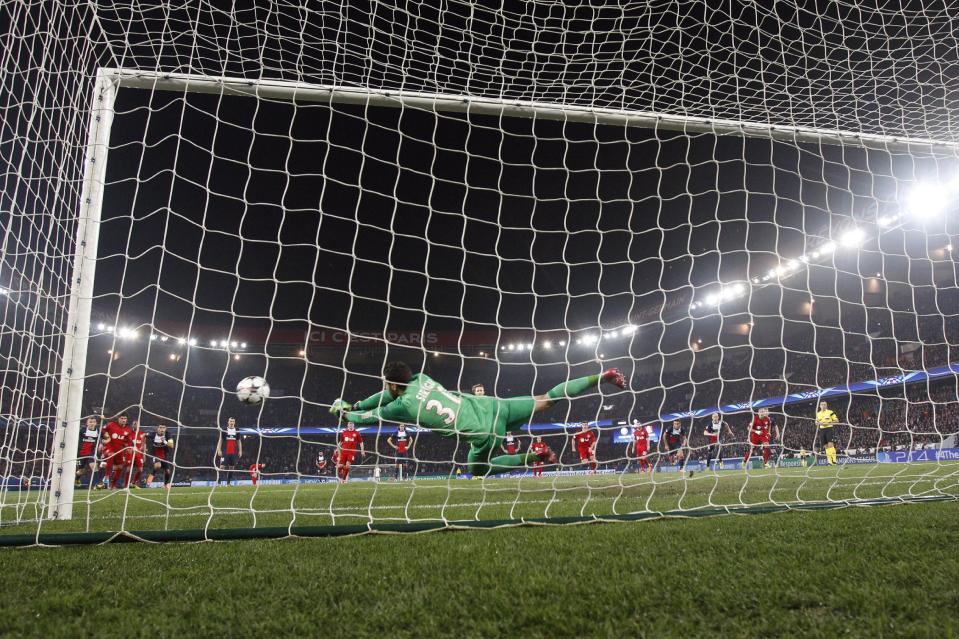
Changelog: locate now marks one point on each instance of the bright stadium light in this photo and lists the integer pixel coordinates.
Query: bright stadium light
(193, 342)
(562, 342)
(101, 327)
(512, 347)
(164, 338)
(814, 255)
(529, 346)
(233, 344)
(792, 265)
(236, 357)
(242, 344)
(949, 247)
(180, 341)
(803, 258)
(4, 291)
(771, 274)
(224, 343)
(613, 334)
(712, 299)
(853, 238)
(755, 280)
(927, 200)
(887, 220)
(547, 345)
(213, 343)
(827, 248)
(153, 337)
(173, 356)
(629, 329)
(589, 339)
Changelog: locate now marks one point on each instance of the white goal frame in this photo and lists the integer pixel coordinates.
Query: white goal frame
(108, 80)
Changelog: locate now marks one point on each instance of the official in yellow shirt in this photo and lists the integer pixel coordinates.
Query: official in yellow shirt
(825, 419)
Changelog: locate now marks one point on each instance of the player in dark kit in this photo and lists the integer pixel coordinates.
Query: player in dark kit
(510, 444)
(229, 450)
(87, 455)
(714, 435)
(674, 440)
(321, 463)
(161, 449)
(401, 447)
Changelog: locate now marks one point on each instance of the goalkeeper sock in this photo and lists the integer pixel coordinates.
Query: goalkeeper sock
(573, 387)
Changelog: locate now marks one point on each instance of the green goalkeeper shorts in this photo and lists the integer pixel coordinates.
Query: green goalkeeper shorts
(504, 415)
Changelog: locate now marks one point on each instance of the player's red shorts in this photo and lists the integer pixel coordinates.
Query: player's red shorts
(757, 439)
(511, 450)
(585, 454)
(641, 451)
(138, 460)
(346, 457)
(113, 455)
(712, 439)
(87, 450)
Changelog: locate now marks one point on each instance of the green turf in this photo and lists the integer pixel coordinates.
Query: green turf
(863, 572)
(493, 499)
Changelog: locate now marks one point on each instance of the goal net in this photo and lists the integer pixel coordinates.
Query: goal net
(748, 213)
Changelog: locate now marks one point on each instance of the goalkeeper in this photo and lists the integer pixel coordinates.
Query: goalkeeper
(482, 421)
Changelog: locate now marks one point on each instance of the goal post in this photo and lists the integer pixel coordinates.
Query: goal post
(682, 378)
(265, 88)
(77, 330)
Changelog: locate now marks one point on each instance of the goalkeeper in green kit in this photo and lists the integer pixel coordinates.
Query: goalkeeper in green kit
(482, 421)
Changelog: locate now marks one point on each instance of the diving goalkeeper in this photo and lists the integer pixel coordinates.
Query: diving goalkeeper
(482, 421)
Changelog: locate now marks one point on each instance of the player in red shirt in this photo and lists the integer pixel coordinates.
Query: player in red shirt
(586, 441)
(348, 442)
(759, 436)
(162, 451)
(117, 437)
(541, 448)
(137, 444)
(87, 455)
(640, 446)
(255, 470)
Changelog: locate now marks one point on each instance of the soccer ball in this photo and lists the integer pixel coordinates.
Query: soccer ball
(252, 390)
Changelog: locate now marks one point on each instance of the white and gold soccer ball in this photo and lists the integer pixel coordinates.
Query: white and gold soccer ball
(252, 390)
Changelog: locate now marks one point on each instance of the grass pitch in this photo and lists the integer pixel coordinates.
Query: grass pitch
(364, 502)
(859, 572)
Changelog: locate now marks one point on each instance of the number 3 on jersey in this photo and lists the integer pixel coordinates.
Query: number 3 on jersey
(447, 413)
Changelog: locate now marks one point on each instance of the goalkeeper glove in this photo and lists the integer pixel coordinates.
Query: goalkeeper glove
(339, 406)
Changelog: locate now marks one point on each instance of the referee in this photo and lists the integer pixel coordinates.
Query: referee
(825, 419)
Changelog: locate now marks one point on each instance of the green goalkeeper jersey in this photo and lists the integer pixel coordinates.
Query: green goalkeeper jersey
(427, 404)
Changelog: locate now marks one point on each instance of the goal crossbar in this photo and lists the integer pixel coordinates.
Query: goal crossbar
(498, 107)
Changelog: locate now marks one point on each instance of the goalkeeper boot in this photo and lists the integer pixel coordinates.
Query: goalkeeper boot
(614, 377)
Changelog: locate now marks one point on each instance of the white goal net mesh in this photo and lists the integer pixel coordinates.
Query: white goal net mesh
(742, 210)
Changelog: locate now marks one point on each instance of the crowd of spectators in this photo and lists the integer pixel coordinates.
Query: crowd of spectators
(197, 404)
